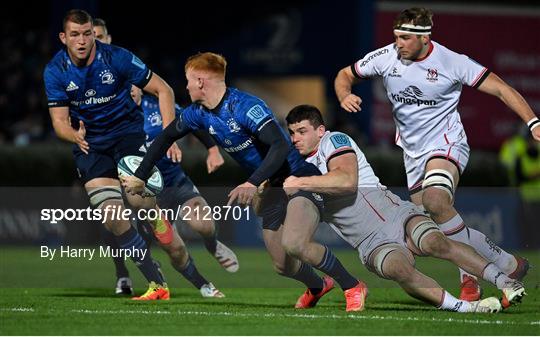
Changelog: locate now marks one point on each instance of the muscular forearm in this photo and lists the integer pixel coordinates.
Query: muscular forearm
(166, 106)
(333, 183)
(342, 85)
(517, 103)
(64, 131)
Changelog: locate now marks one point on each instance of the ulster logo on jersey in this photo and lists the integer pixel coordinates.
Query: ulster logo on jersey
(106, 77)
(432, 75)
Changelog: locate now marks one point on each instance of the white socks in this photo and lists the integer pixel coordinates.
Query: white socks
(455, 229)
(451, 303)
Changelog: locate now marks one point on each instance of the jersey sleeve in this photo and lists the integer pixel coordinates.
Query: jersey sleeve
(177, 110)
(372, 64)
(187, 118)
(54, 89)
(256, 116)
(131, 67)
(468, 71)
(335, 145)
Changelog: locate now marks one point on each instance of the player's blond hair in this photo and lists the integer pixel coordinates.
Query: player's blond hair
(417, 16)
(210, 62)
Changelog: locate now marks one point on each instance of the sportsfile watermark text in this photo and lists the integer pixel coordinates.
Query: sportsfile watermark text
(115, 213)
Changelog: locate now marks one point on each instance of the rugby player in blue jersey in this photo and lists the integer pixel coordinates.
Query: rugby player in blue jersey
(179, 191)
(88, 89)
(246, 128)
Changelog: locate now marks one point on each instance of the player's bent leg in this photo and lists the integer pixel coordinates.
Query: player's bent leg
(291, 267)
(207, 229)
(105, 194)
(397, 263)
(299, 227)
(429, 240)
(124, 285)
(185, 265)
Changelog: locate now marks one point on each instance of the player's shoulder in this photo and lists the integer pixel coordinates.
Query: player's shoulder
(239, 98)
(382, 53)
(244, 104)
(445, 52)
(110, 53)
(59, 63)
(336, 140)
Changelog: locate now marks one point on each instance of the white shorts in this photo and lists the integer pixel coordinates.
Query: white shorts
(373, 218)
(415, 168)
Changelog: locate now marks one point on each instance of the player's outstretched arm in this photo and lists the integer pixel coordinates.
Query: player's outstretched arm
(62, 128)
(495, 86)
(274, 159)
(343, 86)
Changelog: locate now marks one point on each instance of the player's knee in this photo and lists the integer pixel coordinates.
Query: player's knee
(205, 226)
(400, 273)
(293, 246)
(398, 267)
(428, 238)
(436, 244)
(138, 202)
(177, 251)
(438, 186)
(436, 201)
(280, 268)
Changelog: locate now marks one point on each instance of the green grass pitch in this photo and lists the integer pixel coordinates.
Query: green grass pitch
(70, 296)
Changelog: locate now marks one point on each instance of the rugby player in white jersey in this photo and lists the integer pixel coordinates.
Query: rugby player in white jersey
(383, 228)
(423, 80)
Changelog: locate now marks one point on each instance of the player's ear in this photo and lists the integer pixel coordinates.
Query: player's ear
(200, 82)
(62, 37)
(321, 130)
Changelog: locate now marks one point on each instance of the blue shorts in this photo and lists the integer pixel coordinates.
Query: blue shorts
(102, 159)
(176, 195)
(274, 204)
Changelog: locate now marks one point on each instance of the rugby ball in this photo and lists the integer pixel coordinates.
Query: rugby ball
(129, 164)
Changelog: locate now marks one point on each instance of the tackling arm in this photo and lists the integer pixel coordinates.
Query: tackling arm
(342, 177)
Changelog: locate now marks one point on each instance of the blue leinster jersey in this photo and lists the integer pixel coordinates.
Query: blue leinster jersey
(234, 124)
(98, 94)
(153, 126)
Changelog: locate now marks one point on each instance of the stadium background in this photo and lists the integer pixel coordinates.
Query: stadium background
(287, 53)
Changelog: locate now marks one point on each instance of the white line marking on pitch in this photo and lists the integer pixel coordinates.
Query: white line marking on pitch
(17, 309)
(310, 316)
(273, 315)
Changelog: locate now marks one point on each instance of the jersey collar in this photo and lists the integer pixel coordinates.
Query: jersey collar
(220, 104)
(428, 53)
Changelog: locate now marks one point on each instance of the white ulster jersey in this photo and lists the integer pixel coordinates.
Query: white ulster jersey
(424, 93)
(333, 144)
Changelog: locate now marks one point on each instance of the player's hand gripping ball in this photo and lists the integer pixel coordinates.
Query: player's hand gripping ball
(127, 167)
